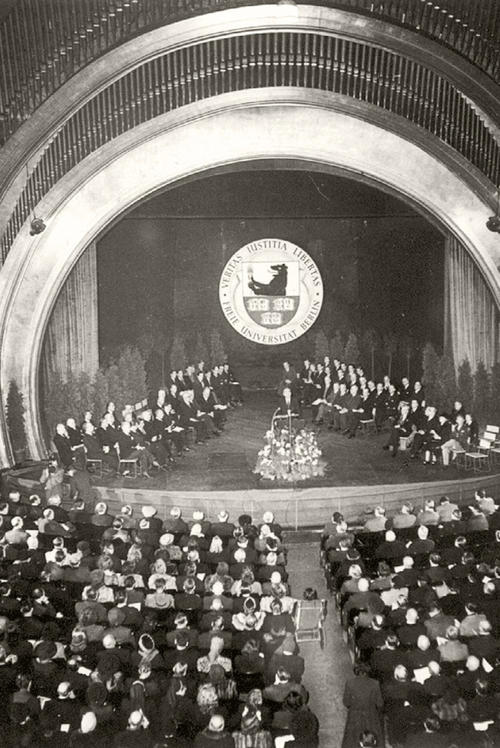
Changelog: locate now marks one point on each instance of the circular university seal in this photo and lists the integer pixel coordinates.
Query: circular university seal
(271, 291)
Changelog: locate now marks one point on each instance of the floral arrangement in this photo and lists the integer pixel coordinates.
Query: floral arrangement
(289, 456)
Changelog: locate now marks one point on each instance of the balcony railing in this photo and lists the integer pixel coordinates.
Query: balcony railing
(44, 42)
(314, 61)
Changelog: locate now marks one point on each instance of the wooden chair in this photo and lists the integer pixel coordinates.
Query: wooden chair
(367, 426)
(404, 441)
(460, 457)
(492, 434)
(478, 461)
(485, 446)
(96, 465)
(130, 463)
(190, 436)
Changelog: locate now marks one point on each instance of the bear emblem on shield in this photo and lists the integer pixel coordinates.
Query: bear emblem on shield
(271, 292)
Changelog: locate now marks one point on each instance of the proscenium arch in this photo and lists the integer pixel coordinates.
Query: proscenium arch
(237, 128)
(27, 150)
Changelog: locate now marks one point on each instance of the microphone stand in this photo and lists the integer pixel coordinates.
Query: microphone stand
(273, 426)
(273, 419)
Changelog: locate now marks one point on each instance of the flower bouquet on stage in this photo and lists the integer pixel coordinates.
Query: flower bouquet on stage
(290, 455)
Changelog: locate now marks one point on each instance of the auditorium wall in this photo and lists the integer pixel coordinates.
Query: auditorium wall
(385, 273)
(382, 263)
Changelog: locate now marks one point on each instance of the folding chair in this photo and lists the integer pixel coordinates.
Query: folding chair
(460, 457)
(309, 616)
(367, 426)
(485, 447)
(403, 443)
(96, 465)
(480, 460)
(130, 463)
(492, 434)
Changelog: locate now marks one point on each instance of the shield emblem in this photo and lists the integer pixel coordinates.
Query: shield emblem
(271, 292)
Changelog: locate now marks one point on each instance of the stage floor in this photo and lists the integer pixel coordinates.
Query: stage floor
(226, 462)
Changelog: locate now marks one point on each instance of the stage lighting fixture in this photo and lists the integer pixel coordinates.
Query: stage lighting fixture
(37, 226)
(493, 224)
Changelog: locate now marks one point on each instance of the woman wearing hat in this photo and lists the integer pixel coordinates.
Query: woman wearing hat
(247, 585)
(221, 575)
(87, 735)
(251, 734)
(137, 733)
(207, 704)
(45, 672)
(147, 654)
(98, 704)
(214, 735)
(249, 666)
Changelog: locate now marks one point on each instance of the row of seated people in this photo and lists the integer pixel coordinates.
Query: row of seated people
(313, 385)
(197, 402)
(220, 379)
(420, 604)
(133, 631)
(341, 396)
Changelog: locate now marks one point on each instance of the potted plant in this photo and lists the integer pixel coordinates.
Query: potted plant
(15, 422)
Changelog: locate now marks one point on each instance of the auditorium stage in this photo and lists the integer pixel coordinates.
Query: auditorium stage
(359, 474)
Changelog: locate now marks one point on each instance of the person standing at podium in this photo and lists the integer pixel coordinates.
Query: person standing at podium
(289, 404)
(288, 379)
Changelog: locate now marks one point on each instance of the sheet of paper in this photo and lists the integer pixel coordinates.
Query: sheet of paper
(482, 726)
(282, 740)
(486, 665)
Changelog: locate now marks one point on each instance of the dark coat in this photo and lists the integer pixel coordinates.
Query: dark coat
(363, 700)
(294, 406)
(209, 739)
(63, 446)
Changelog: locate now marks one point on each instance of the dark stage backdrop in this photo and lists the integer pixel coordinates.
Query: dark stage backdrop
(382, 263)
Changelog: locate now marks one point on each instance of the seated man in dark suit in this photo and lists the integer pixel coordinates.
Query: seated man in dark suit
(95, 451)
(129, 449)
(338, 407)
(189, 418)
(354, 409)
(156, 437)
(428, 437)
(401, 427)
(107, 434)
(174, 434)
(208, 412)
